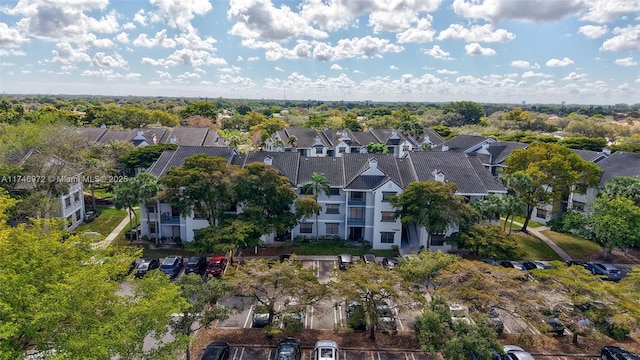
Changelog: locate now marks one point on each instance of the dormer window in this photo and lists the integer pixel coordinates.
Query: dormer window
(268, 160)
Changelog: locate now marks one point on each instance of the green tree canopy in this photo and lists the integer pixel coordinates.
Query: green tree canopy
(615, 221)
(143, 157)
(202, 108)
(471, 112)
(584, 143)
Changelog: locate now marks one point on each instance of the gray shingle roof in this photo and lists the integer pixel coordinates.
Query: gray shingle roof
(355, 164)
(176, 157)
(305, 137)
(285, 162)
(588, 155)
(500, 151)
(620, 163)
(186, 136)
(331, 167)
(455, 166)
(462, 142)
(91, 134)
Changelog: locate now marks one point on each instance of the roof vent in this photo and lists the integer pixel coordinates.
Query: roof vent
(445, 147)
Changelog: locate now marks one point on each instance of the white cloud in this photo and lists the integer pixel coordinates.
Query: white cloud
(140, 17)
(476, 33)
(447, 72)
(188, 75)
(123, 37)
(628, 61)
(605, 11)
(179, 13)
(261, 19)
(336, 67)
(128, 26)
(476, 49)
(438, 53)
(12, 52)
(10, 37)
(278, 69)
(593, 31)
(521, 64)
(531, 74)
(365, 47)
(160, 39)
(186, 57)
(235, 82)
(626, 38)
(66, 54)
(253, 58)
(530, 10)
(573, 76)
(100, 59)
(109, 74)
(420, 33)
(393, 67)
(164, 75)
(239, 58)
(230, 70)
(559, 63)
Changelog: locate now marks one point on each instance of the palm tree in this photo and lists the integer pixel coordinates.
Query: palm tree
(319, 184)
(292, 141)
(512, 206)
(148, 188)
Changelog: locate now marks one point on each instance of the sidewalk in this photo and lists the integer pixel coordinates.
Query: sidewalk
(537, 232)
(114, 234)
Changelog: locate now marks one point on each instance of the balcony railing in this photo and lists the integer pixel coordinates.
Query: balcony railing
(357, 201)
(355, 221)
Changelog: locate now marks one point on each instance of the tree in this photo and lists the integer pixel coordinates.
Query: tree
(477, 339)
(377, 148)
(370, 284)
(292, 140)
(126, 196)
(423, 267)
(270, 284)
(432, 205)
(243, 109)
(200, 307)
(431, 325)
(584, 143)
(485, 240)
(319, 184)
(201, 108)
(144, 157)
(148, 188)
(66, 296)
(96, 164)
(203, 184)
(543, 173)
(623, 186)
(615, 221)
(471, 112)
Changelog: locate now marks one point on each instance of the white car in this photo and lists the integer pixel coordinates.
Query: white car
(325, 350)
(512, 352)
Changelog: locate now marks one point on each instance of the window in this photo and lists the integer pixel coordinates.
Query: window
(303, 190)
(388, 216)
(334, 191)
(67, 202)
(405, 148)
(78, 215)
(332, 228)
(387, 237)
(152, 227)
(578, 206)
(333, 209)
(306, 228)
(386, 194)
(342, 150)
(198, 215)
(151, 209)
(319, 150)
(437, 239)
(541, 213)
(76, 196)
(356, 213)
(357, 196)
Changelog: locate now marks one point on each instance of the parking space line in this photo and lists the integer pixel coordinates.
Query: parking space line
(372, 358)
(248, 317)
(269, 356)
(506, 329)
(311, 320)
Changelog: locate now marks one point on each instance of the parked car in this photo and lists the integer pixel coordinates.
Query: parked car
(345, 261)
(89, 215)
(217, 350)
(495, 322)
(512, 352)
(575, 263)
(288, 349)
(609, 270)
(459, 313)
(172, 265)
(390, 263)
(617, 353)
(145, 266)
(534, 265)
(326, 350)
(356, 317)
(260, 317)
(216, 266)
(368, 258)
(196, 264)
(386, 320)
(557, 328)
(490, 262)
(511, 265)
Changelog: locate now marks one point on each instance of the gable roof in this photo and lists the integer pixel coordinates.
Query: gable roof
(285, 162)
(170, 158)
(462, 142)
(331, 167)
(433, 137)
(589, 155)
(471, 178)
(356, 164)
(619, 163)
(499, 151)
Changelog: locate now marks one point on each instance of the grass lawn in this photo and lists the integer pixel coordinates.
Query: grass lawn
(107, 220)
(532, 248)
(532, 223)
(120, 240)
(576, 247)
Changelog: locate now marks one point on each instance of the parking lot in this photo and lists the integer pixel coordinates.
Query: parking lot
(259, 353)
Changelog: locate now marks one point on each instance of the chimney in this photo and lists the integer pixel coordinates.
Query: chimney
(606, 151)
(438, 175)
(445, 147)
(172, 139)
(373, 163)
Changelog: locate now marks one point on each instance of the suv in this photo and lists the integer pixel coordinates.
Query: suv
(325, 350)
(344, 261)
(368, 258)
(217, 350)
(196, 264)
(260, 317)
(609, 270)
(557, 328)
(145, 266)
(288, 349)
(172, 265)
(512, 352)
(216, 266)
(617, 353)
(390, 263)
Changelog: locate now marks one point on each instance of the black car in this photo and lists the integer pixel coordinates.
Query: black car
(196, 264)
(217, 350)
(495, 322)
(390, 263)
(172, 265)
(557, 328)
(260, 317)
(617, 353)
(145, 266)
(344, 261)
(368, 258)
(288, 349)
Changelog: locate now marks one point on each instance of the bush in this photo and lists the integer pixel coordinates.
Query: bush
(571, 222)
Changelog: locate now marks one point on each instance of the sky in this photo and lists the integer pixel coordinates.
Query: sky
(488, 51)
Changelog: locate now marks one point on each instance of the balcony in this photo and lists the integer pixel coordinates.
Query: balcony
(357, 201)
(167, 219)
(355, 221)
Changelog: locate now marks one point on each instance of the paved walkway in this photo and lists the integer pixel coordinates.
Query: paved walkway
(537, 232)
(114, 234)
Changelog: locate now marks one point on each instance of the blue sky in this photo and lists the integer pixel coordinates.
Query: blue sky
(500, 51)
